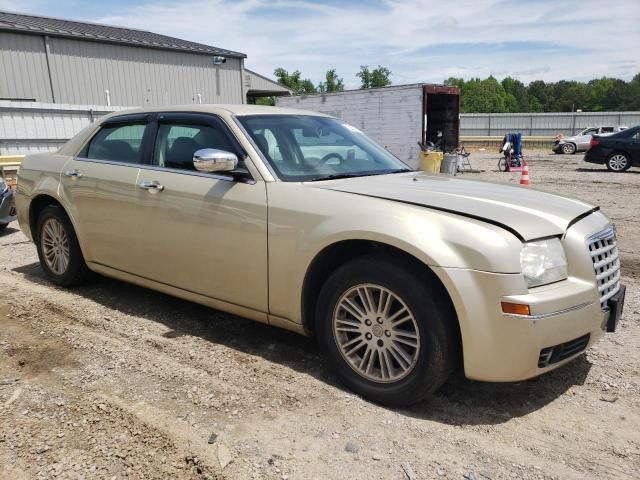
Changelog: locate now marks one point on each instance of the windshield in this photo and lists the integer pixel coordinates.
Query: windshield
(304, 147)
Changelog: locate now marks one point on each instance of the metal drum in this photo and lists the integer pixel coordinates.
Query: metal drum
(449, 164)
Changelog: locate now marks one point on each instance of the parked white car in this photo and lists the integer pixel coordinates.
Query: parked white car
(581, 141)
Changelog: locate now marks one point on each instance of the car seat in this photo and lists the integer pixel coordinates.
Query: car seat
(180, 155)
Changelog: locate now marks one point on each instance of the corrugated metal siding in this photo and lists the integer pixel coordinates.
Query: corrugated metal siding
(392, 116)
(23, 67)
(29, 127)
(541, 124)
(134, 76)
(255, 82)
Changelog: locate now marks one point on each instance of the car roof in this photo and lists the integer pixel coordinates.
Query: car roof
(219, 109)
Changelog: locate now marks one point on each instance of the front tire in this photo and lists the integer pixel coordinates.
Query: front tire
(385, 335)
(618, 162)
(3, 226)
(58, 248)
(568, 148)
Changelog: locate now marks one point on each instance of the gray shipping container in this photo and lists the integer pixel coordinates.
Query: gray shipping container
(397, 117)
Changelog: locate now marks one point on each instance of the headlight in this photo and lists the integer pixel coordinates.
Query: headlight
(3, 186)
(543, 261)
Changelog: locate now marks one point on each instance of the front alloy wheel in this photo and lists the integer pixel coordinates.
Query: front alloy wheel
(376, 333)
(618, 162)
(568, 148)
(387, 328)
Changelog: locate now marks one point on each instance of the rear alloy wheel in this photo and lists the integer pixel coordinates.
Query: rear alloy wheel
(618, 162)
(568, 148)
(58, 249)
(385, 334)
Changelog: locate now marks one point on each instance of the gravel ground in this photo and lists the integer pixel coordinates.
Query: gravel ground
(115, 381)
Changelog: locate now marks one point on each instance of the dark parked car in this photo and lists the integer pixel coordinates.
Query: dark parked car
(618, 151)
(7, 205)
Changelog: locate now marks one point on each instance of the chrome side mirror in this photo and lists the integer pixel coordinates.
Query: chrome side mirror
(211, 160)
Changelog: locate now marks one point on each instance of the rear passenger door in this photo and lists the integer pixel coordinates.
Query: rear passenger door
(201, 232)
(99, 189)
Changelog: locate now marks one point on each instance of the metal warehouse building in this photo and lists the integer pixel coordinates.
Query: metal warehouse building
(52, 60)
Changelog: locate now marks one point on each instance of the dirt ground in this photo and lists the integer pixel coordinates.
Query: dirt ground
(115, 381)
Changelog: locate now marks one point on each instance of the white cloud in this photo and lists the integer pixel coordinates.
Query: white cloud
(564, 39)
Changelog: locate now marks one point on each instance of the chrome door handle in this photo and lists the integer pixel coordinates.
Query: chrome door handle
(151, 186)
(73, 173)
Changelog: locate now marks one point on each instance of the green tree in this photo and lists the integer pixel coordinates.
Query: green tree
(484, 96)
(633, 100)
(378, 77)
(332, 83)
(536, 106)
(538, 90)
(294, 82)
(267, 101)
(518, 91)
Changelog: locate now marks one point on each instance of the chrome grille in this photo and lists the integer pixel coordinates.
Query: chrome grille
(606, 263)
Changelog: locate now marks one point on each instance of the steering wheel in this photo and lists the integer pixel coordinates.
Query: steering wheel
(332, 156)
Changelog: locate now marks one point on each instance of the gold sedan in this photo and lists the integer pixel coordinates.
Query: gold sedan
(299, 220)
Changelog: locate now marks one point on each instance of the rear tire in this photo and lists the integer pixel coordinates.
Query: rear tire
(618, 162)
(3, 226)
(568, 148)
(58, 248)
(402, 348)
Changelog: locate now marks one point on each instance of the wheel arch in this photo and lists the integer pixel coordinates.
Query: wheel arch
(620, 150)
(37, 204)
(335, 254)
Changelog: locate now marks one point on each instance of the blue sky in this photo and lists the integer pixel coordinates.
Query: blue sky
(418, 40)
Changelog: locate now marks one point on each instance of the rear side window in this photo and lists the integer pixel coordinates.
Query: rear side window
(120, 143)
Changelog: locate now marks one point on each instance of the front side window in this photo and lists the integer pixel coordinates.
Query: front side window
(304, 147)
(119, 143)
(176, 143)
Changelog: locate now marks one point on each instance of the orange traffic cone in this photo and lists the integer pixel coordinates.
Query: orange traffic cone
(524, 178)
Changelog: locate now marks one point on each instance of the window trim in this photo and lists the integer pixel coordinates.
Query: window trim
(261, 156)
(133, 119)
(196, 118)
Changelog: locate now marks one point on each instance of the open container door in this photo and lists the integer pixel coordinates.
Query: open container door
(441, 112)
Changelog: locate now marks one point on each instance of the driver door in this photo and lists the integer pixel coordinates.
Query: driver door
(583, 141)
(201, 232)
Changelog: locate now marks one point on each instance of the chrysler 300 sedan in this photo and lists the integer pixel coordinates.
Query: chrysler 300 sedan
(299, 220)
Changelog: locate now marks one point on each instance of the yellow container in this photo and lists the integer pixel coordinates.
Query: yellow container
(430, 161)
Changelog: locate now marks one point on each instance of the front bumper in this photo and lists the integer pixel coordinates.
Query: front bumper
(7, 207)
(499, 347)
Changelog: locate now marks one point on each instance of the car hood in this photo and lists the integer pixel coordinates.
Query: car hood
(525, 212)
